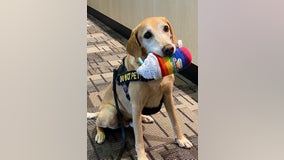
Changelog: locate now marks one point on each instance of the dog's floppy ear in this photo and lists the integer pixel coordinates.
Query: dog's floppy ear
(172, 31)
(133, 45)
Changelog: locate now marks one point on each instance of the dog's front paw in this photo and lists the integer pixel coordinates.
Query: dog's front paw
(100, 137)
(147, 119)
(184, 142)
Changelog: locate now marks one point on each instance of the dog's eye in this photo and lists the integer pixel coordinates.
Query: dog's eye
(148, 35)
(166, 28)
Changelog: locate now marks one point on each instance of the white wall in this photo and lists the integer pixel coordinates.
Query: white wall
(181, 13)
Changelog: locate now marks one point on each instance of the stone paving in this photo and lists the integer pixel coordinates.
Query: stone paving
(105, 49)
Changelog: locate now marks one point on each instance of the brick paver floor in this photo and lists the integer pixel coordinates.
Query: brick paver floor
(105, 50)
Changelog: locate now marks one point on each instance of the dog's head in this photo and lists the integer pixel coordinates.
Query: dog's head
(153, 34)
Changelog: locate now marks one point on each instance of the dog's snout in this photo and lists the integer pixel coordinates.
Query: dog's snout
(168, 50)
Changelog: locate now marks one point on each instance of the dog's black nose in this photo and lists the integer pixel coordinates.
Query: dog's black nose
(168, 49)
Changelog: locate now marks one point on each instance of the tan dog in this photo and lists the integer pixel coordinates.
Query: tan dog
(154, 34)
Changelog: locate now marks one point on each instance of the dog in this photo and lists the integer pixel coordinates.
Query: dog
(153, 34)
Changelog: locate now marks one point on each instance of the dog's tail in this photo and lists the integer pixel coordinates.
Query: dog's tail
(92, 115)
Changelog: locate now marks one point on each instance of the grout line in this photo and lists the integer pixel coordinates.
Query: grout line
(186, 99)
(163, 113)
(103, 78)
(185, 115)
(94, 84)
(146, 141)
(191, 129)
(161, 127)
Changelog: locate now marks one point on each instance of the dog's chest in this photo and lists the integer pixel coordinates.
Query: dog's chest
(156, 91)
